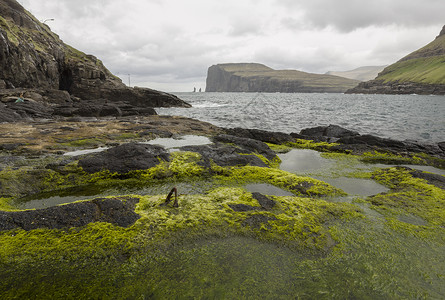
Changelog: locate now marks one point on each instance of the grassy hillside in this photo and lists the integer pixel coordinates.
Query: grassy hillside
(429, 70)
(425, 66)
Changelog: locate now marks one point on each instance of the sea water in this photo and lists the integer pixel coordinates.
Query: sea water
(401, 117)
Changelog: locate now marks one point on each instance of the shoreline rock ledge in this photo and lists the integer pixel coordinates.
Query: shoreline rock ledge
(36, 65)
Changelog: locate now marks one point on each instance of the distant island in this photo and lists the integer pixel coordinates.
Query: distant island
(255, 77)
(421, 72)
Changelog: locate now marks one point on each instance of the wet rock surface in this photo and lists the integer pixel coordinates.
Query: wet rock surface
(352, 140)
(434, 179)
(261, 135)
(118, 211)
(228, 150)
(125, 158)
(265, 202)
(224, 155)
(247, 145)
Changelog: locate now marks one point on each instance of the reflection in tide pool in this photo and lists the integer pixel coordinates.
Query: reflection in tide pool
(311, 163)
(356, 186)
(186, 140)
(303, 161)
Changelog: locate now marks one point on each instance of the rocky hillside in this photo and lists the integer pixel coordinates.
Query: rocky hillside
(252, 77)
(34, 59)
(421, 72)
(361, 73)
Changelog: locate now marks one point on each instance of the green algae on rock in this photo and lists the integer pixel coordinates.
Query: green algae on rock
(409, 195)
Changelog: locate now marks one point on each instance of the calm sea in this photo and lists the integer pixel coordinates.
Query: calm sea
(399, 117)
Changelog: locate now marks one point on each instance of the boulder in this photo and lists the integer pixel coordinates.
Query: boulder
(247, 145)
(261, 135)
(332, 131)
(118, 211)
(125, 158)
(352, 140)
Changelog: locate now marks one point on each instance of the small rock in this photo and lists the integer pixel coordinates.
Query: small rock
(265, 202)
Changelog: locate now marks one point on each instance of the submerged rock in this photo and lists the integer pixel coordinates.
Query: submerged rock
(118, 211)
(125, 158)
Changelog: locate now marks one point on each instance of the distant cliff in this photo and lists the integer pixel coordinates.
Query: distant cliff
(421, 72)
(253, 77)
(33, 57)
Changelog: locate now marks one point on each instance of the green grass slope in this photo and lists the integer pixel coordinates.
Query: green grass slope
(425, 66)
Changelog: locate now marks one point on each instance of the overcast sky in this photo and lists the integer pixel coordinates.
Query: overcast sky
(169, 44)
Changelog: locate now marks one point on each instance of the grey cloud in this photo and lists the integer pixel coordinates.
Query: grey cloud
(349, 15)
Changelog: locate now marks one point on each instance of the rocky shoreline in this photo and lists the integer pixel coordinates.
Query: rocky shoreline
(122, 136)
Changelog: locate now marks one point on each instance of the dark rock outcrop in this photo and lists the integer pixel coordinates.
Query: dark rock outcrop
(397, 88)
(247, 145)
(230, 150)
(33, 57)
(329, 133)
(125, 158)
(433, 179)
(261, 135)
(265, 202)
(353, 141)
(118, 211)
(101, 108)
(252, 77)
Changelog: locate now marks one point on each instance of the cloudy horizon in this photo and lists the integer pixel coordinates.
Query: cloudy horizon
(169, 44)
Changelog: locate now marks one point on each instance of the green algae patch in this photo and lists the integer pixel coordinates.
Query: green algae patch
(6, 204)
(389, 158)
(297, 184)
(114, 262)
(185, 164)
(298, 221)
(409, 195)
(279, 148)
(45, 263)
(310, 144)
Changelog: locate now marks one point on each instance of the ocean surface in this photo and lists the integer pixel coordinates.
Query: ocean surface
(401, 117)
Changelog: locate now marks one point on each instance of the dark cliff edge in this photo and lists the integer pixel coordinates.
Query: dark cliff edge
(421, 72)
(36, 61)
(253, 77)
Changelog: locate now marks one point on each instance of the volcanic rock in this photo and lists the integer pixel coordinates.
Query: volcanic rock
(118, 211)
(125, 158)
(33, 57)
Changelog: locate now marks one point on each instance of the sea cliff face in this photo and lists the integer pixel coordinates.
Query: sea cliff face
(420, 72)
(33, 57)
(251, 77)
